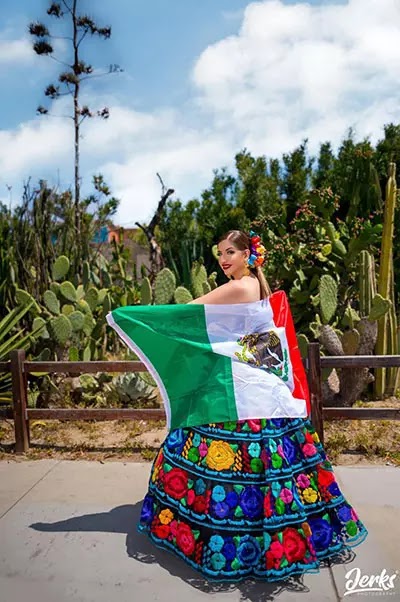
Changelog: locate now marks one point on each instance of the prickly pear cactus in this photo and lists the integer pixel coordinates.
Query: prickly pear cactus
(68, 291)
(51, 302)
(55, 288)
(182, 295)
(77, 319)
(92, 297)
(350, 341)
(146, 293)
(212, 280)
(330, 339)
(88, 324)
(379, 308)
(206, 287)
(164, 287)
(60, 267)
(327, 297)
(61, 329)
(198, 275)
(67, 309)
(303, 345)
(73, 354)
(39, 323)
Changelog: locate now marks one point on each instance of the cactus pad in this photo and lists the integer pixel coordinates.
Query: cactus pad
(68, 291)
(164, 287)
(60, 267)
(146, 294)
(198, 275)
(51, 302)
(77, 319)
(379, 308)
(182, 295)
(350, 341)
(327, 297)
(61, 329)
(92, 297)
(73, 354)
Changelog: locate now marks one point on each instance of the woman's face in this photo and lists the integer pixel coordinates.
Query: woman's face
(231, 260)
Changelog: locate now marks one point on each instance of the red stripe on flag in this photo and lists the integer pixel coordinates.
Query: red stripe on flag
(283, 317)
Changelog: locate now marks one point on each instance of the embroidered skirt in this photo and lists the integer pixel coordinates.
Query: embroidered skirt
(255, 498)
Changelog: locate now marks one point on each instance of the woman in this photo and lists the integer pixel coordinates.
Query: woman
(269, 505)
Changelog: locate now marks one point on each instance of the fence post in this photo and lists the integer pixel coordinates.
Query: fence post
(19, 392)
(315, 386)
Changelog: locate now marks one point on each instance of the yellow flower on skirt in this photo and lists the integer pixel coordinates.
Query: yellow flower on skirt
(310, 495)
(220, 455)
(166, 516)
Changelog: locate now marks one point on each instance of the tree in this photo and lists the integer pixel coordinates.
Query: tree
(70, 81)
(155, 254)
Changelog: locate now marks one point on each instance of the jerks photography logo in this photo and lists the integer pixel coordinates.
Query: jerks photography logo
(356, 582)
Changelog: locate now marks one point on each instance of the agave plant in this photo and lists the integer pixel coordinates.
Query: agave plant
(12, 337)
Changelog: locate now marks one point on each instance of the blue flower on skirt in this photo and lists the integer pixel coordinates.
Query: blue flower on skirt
(279, 422)
(200, 487)
(218, 494)
(147, 513)
(254, 449)
(175, 440)
(289, 449)
(321, 533)
(219, 509)
(344, 513)
(232, 499)
(334, 489)
(251, 501)
(249, 551)
(196, 440)
(218, 561)
(229, 550)
(216, 543)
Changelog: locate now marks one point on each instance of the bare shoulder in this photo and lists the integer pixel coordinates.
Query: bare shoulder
(248, 289)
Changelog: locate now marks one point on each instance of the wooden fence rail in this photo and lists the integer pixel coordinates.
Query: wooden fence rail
(21, 414)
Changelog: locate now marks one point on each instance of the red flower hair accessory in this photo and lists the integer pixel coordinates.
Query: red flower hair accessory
(257, 251)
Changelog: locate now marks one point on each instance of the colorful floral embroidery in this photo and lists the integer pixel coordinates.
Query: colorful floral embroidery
(253, 498)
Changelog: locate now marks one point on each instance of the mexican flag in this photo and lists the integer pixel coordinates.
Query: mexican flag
(217, 363)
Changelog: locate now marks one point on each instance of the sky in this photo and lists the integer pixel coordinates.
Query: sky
(200, 82)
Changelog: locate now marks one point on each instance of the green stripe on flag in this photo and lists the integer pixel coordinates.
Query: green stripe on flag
(196, 382)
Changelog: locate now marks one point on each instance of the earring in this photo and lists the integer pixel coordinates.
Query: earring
(246, 268)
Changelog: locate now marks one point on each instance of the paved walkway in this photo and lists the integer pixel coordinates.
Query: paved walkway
(67, 533)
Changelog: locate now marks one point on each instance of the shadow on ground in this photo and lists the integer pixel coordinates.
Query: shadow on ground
(123, 519)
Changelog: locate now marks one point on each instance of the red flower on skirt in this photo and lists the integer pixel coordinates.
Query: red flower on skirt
(267, 505)
(294, 545)
(185, 539)
(175, 483)
(325, 477)
(200, 504)
(161, 531)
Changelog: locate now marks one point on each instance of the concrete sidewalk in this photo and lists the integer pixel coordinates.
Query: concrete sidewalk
(67, 533)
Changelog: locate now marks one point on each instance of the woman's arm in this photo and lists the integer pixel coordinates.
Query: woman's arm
(231, 292)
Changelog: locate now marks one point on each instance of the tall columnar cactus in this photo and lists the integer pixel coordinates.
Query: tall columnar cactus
(384, 280)
(366, 282)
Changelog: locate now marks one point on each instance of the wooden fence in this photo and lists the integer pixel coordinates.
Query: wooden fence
(21, 414)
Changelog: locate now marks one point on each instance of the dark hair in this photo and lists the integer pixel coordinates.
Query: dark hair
(241, 240)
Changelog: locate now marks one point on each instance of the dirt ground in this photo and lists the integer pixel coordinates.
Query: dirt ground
(346, 441)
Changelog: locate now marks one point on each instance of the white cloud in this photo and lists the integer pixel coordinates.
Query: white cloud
(15, 51)
(296, 70)
(291, 72)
